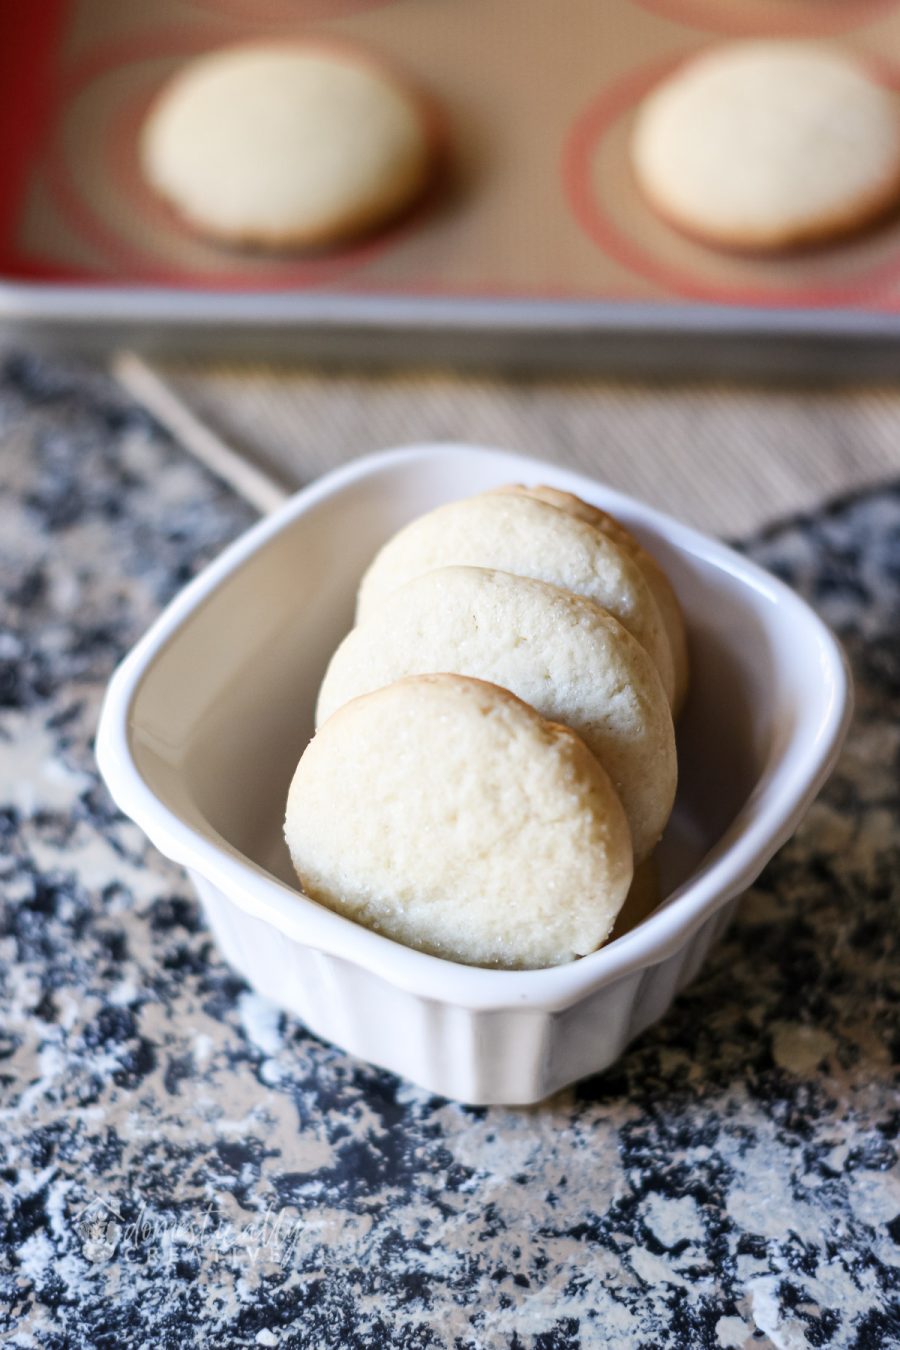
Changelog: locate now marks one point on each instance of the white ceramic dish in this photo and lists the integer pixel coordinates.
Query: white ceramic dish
(204, 721)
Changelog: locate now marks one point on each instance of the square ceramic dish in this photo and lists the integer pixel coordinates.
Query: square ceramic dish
(204, 721)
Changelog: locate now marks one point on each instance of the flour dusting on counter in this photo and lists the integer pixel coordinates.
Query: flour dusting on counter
(184, 1164)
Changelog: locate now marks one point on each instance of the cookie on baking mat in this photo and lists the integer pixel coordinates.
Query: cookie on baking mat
(659, 583)
(514, 533)
(769, 144)
(557, 651)
(447, 814)
(285, 145)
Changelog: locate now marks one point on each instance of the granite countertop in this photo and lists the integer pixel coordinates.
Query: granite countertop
(182, 1165)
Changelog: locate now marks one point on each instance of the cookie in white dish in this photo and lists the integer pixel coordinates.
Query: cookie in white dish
(447, 814)
(559, 652)
(655, 576)
(514, 533)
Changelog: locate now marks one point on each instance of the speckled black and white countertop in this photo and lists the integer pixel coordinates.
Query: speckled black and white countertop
(180, 1165)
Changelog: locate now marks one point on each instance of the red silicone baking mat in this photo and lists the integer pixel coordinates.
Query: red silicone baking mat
(536, 201)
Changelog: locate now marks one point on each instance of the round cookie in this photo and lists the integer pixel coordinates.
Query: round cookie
(768, 144)
(566, 657)
(285, 145)
(445, 813)
(659, 583)
(514, 533)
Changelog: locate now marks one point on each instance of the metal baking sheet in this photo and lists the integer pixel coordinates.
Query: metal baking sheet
(535, 248)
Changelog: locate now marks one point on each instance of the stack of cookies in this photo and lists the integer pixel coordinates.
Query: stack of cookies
(495, 751)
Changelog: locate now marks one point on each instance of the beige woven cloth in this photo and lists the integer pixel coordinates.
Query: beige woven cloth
(725, 458)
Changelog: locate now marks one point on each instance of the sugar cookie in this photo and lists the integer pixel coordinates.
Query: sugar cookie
(514, 533)
(559, 652)
(285, 144)
(659, 583)
(768, 144)
(447, 814)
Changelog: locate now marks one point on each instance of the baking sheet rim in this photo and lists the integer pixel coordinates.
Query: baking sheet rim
(189, 309)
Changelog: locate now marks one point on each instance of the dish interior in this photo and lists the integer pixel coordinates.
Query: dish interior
(226, 707)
